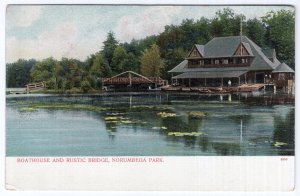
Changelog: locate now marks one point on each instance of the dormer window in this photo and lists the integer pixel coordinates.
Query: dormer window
(244, 60)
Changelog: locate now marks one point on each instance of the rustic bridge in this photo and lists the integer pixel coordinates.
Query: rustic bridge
(35, 86)
(131, 78)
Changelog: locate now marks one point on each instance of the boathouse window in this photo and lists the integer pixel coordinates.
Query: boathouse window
(244, 60)
(194, 62)
(281, 76)
(207, 61)
(201, 62)
(230, 61)
(225, 61)
(195, 53)
(217, 61)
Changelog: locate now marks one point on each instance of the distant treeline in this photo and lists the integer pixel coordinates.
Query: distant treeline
(155, 55)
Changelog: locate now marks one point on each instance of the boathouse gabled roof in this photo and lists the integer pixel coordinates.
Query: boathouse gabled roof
(200, 48)
(248, 48)
(226, 47)
(283, 68)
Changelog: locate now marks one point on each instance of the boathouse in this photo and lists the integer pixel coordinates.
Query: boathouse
(233, 60)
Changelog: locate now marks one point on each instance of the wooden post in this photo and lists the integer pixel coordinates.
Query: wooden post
(239, 80)
(204, 81)
(241, 131)
(189, 82)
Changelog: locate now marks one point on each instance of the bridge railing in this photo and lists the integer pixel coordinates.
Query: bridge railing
(133, 80)
(35, 86)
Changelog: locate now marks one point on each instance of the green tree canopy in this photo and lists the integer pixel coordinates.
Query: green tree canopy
(109, 47)
(255, 30)
(117, 64)
(151, 63)
(280, 34)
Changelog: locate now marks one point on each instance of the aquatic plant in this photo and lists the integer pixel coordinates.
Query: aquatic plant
(113, 118)
(150, 107)
(126, 121)
(27, 109)
(196, 114)
(61, 105)
(159, 128)
(279, 144)
(166, 114)
(181, 134)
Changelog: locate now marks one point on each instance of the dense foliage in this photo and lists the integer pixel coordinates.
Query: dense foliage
(155, 55)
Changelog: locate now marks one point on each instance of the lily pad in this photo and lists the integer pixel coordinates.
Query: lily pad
(27, 109)
(181, 134)
(196, 114)
(279, 144)
(126, 121)
(166, 114)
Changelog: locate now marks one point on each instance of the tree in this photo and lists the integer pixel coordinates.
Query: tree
(131, 63)
(255, 31)
(43, 70)
(58, 73)
(18, 73)
(226, 23)
(97, 70)
(110, 45)
(85, 86)
(173, 58)
(151, 63)
(117, 64)
(280, 34)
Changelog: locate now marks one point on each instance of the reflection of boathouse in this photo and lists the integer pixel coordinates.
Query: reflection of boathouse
(236, 59)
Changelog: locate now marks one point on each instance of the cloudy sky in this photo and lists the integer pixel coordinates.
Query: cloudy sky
(78, 31)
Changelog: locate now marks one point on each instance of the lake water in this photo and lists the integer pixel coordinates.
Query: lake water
(150, 124)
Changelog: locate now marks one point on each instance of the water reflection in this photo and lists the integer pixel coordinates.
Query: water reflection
(284, 133)
(230, 125)
(226, 148)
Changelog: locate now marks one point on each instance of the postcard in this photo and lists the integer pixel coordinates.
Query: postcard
(144, 97)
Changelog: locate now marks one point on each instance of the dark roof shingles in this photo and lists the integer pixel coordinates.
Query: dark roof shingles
(225, 47)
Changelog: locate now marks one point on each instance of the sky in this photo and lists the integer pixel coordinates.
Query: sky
(76, 31)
